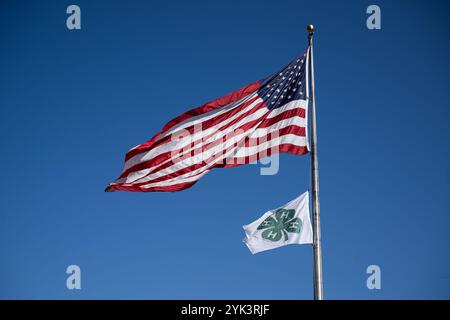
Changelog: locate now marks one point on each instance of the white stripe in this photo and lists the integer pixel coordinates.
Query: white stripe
(294, 104)
(295, 120)
(171, 182)
(273, 143)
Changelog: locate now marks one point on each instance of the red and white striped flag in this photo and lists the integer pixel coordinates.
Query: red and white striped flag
(266, 117)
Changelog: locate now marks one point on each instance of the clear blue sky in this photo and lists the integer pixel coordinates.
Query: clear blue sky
(73, 102)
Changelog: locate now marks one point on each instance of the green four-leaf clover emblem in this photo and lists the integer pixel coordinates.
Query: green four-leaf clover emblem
(279, 224)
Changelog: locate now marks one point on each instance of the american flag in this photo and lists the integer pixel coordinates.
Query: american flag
(263, 118)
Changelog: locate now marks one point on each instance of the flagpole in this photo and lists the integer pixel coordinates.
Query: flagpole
(317, 246)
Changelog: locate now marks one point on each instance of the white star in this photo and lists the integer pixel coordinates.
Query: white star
(278, 90)
(289, 97)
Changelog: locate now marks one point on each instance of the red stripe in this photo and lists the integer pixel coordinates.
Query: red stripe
(282, 148)
(159, 158)
(173, 188)
(207, 107)
(297, 112)
(292, 129)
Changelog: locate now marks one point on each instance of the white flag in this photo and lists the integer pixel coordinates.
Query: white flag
(286, 225)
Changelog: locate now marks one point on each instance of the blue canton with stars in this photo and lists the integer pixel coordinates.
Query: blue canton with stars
(286, 85)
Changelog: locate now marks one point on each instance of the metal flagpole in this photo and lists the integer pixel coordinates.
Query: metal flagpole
(317, 247)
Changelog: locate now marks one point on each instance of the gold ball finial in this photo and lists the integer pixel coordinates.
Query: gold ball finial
(310, 28)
